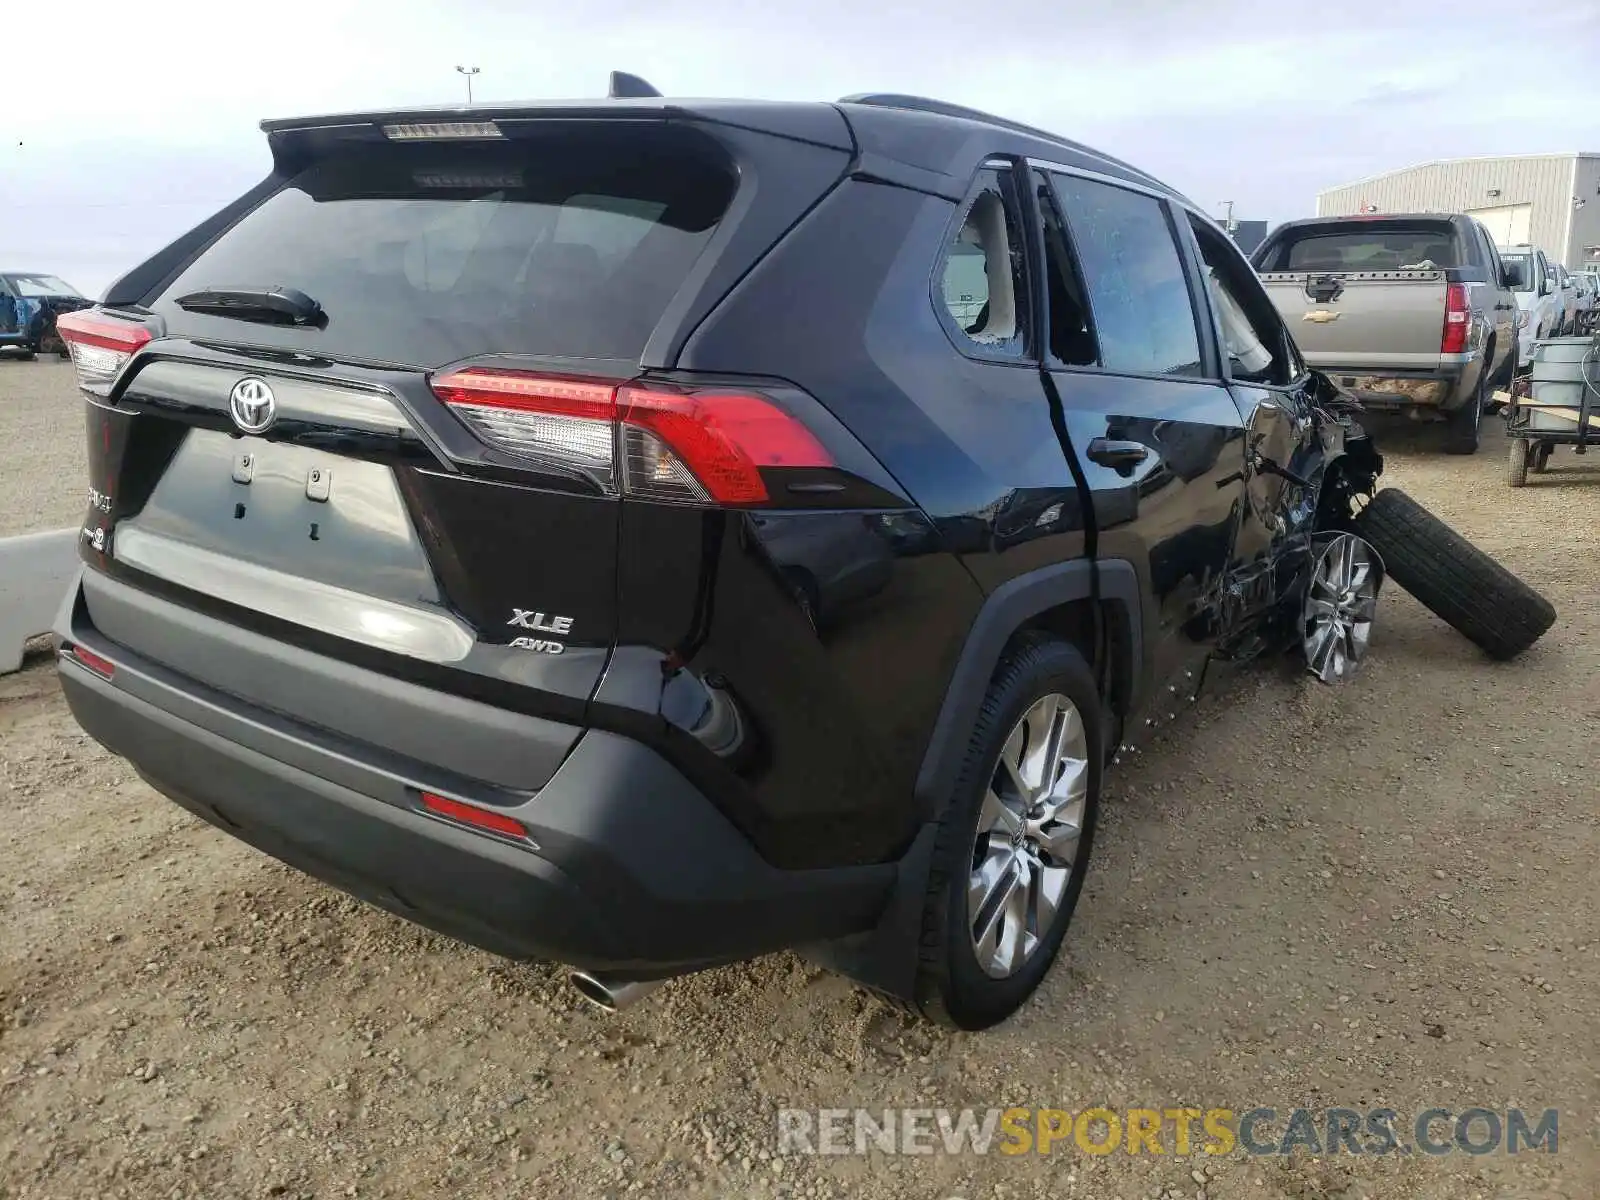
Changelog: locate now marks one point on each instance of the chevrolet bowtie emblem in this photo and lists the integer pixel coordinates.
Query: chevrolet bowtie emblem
(1321, 316)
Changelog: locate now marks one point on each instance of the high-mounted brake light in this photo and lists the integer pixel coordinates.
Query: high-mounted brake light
(467, 181)
(100, 346)
(442, 131)
(1457, 320)
(471, 814)
(694, 446)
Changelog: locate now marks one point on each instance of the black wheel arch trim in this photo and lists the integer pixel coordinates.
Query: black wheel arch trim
(1007, 609)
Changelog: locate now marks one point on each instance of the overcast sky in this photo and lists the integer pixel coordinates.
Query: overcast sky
(125, 124)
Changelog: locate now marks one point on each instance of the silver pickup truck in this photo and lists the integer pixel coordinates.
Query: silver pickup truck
(1408, 312)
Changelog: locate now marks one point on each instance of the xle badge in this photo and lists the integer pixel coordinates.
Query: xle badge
(525, 619)
(539, 622)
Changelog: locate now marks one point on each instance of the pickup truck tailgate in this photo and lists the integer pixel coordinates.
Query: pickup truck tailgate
(1363, 320)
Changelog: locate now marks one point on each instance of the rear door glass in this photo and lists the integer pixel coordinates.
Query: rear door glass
(1142, 310)
(571, 244)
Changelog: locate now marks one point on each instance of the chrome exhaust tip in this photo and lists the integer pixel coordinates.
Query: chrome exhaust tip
(612, 995)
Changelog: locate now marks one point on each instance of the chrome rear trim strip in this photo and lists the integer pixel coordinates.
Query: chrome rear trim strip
(381, 624)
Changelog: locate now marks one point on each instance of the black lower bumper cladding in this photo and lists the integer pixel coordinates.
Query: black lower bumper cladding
(627, 868)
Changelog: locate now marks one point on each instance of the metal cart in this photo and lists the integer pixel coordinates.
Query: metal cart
(1557, 403)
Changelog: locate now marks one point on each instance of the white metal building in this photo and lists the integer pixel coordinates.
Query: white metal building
(1550, 200)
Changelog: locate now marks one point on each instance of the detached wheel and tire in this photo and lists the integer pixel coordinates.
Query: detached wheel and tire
(1455, 580)
(1014, 841)
(1517, 466)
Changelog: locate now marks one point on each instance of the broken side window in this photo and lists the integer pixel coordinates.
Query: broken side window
(983, 278)
(1252, 335)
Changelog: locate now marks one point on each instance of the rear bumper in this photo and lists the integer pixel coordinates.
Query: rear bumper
(628, 870)
(1445, 387)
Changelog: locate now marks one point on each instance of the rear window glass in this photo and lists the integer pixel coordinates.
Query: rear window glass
(42, 287)
(567, 245)
(1368, 249)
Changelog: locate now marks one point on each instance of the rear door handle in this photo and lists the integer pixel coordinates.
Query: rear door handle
(1119, 456)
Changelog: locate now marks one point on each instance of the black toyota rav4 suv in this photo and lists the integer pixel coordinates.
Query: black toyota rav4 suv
(648, 534)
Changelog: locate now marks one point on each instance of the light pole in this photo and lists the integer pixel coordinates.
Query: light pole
(469, 72)
(1227, 220)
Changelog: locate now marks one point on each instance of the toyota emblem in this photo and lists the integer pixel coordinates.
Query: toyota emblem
(253, 406)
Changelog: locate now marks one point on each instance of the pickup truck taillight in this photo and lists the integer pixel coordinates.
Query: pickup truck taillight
(1457, 320)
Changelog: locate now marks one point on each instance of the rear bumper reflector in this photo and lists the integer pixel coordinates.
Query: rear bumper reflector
(102, 667)
(470, 814)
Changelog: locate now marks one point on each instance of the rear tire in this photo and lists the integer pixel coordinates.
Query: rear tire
(1455, 580)
(958, 984)
(1540, 457)
(1463, 433)
(1504, 378)
(1517, 467)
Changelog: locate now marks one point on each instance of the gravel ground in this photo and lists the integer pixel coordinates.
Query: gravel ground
(42, 453)
(1377, 895)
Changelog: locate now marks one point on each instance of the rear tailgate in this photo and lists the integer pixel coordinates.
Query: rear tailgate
(1367, 321)
(321, 484)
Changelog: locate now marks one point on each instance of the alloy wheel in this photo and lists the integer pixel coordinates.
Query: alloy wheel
(1029, 827)
(1339, 607)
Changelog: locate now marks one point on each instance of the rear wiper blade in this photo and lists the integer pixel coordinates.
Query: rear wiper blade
(273, 305)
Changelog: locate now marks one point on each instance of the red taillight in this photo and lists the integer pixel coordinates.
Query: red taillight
(87, 329)
(471, 814)
(688, 445)
(724, 438)
(102, 667)
(1457, 320)
(100, 346)
(524, 392)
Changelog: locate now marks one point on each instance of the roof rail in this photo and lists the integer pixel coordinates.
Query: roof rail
(945, 109)
(627, 87)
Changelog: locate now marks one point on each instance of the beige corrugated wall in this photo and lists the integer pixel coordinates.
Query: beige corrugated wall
(1585, 249)
(1544, 181)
